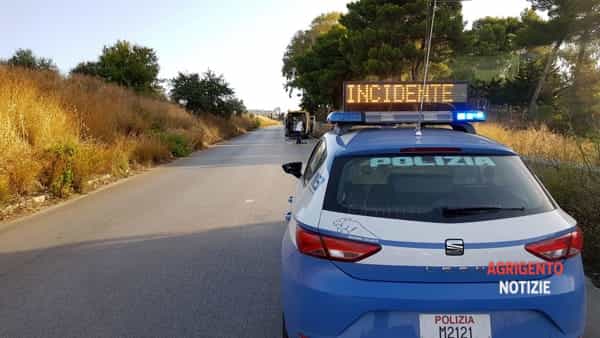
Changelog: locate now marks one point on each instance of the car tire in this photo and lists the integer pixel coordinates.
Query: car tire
(284, 333)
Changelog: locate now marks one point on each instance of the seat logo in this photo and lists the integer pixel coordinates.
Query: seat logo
(455, 247)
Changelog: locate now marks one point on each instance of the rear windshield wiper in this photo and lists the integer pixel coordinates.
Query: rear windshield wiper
(476, 210)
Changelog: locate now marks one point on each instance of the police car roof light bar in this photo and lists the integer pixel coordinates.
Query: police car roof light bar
(339, 117)
(459, 120)
(391, 118)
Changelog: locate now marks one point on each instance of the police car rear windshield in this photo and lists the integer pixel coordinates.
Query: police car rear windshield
(435, 188)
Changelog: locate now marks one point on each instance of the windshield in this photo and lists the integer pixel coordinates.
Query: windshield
(434, 188)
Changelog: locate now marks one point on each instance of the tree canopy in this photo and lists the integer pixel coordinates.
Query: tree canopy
(387, 39)
(568, 21)
(531, 61)
(126, 64)
(303, 40)
(374, 39)
(26, 58)
(490, 36)
(209, 93)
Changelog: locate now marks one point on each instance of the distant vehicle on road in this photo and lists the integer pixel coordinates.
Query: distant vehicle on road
(291, 121)
(438, 233)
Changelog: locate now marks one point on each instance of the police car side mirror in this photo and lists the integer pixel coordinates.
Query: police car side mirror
(293, 168)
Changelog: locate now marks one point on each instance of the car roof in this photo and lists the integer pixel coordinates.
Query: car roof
(390, 140)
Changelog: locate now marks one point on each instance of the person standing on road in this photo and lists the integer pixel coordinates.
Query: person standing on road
(298, 128)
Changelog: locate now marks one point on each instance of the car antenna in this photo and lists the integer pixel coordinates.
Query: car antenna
(418, 130)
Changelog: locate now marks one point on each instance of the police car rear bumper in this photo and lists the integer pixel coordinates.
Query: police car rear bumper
(321, 301)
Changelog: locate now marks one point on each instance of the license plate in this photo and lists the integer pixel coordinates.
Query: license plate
(444, 325)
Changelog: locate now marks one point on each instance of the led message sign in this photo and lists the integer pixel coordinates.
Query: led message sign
(402, 96)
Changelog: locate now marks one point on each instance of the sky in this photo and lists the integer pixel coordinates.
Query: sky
(242, 39)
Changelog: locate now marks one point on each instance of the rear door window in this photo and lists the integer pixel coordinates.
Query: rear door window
(435, 188)
(315, 161)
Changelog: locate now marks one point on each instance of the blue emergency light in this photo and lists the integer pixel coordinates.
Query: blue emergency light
(469, 116)
(345, 117)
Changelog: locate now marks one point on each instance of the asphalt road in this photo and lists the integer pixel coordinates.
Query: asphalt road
(186, 249)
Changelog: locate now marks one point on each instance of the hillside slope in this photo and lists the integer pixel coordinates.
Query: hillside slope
(57, 133)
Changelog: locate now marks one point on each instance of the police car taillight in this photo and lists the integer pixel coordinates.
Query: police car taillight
(310, 243)
(313, 244)
(562, 247)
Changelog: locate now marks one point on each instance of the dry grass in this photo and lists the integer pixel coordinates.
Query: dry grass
(541, 143)
(570, 169)
(266, 122)
(56, 133)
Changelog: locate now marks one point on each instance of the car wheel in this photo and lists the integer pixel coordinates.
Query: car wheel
(284, 333)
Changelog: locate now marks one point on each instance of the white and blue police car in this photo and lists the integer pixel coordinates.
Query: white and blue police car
(438, 234)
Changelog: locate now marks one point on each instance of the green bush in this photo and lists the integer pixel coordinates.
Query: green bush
(179, 145)
(577, 191)
(59, 171)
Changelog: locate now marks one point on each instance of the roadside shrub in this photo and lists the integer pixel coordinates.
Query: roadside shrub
(578, 192)
(57, 133)
(150, 150)
(541, 143)
(245, 122)
(59, 173)
(90, 159)
(569, 168)
(266, 122)
(4, 189)
(119, 155)
(178, 143)
(22, 175)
